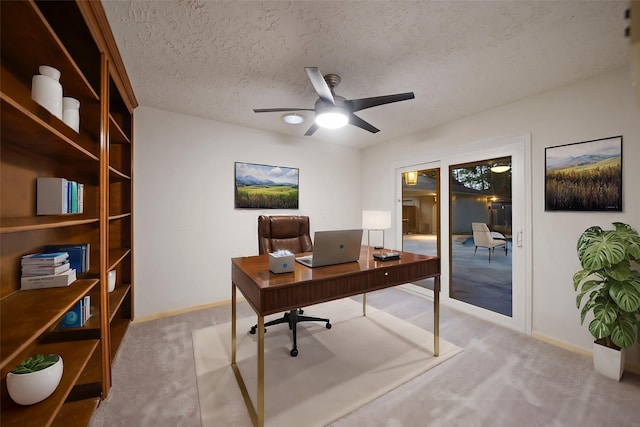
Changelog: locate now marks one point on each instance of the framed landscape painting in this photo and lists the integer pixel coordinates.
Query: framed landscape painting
(584, 176)
(265, 187)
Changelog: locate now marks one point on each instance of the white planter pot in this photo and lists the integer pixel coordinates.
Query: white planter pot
(34, 387)
(608, 361)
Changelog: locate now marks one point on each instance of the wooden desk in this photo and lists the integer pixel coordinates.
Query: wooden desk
(269, 293)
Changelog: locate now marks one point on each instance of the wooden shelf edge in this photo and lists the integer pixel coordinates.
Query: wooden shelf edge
(13, 318)
(116, 256)
(120, 216)
(116, 298)
(16, 225)
(122, 136)
(118, 330)
(75, 356)
(118, 174)
(44, 125)
(76, 414)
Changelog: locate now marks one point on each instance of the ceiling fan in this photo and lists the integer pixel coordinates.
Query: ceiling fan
(334, 111)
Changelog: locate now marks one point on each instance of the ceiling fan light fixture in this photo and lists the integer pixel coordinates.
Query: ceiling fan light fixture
(500, 168)
(293, 118)
(331, 118)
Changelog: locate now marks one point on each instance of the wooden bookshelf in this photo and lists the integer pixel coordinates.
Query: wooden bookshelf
(73, 37)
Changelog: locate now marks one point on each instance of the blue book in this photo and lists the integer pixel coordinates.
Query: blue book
(78, 255)
(46, 258)
(75, 317)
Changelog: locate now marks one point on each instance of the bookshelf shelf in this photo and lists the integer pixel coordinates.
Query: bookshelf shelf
(73, 37)
(75, 356)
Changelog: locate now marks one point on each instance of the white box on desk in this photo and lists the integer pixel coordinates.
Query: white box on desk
(281, 262)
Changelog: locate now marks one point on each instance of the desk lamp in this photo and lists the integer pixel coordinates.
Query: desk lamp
(376, 221)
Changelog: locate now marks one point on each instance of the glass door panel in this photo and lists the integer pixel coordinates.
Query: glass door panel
(481, 236)
(421, 214)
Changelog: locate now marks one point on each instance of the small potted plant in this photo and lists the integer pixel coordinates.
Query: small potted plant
(608, 286)
(35, 378)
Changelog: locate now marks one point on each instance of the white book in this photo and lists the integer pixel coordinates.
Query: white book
(44, 270)
(51, 196)
(50, 281)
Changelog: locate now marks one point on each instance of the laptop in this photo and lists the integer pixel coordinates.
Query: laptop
(333, 247)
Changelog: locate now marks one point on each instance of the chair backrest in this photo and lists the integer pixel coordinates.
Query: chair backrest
(278, 232)
(481, 234)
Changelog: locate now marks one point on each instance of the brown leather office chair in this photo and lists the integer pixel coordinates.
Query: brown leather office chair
(290, 232)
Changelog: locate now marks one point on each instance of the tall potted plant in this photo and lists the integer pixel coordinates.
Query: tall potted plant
(609, 286)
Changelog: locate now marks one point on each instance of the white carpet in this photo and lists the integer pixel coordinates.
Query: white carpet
(337, 370)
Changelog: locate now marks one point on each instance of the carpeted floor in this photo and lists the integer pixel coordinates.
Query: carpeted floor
(502, 378)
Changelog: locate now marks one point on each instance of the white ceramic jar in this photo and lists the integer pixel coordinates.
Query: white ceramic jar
(34, 387)
(71, 113)
(111, 281)
(46, 90)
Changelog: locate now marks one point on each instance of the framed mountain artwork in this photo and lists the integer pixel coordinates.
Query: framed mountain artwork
(265, 187)
(584, 176)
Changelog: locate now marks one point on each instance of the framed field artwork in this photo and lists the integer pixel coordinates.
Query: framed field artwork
(584, 176)
(265, 187)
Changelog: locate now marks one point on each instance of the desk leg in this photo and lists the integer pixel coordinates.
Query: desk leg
(233, 324)
(364, 305)
(256, 414)
(260, 421)
(436, 316)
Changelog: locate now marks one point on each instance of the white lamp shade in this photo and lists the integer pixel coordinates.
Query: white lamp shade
(376, 220)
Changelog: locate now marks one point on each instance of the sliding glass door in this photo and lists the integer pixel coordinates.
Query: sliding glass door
(459, 189)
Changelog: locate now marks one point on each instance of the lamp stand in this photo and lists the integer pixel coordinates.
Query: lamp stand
(369, 239)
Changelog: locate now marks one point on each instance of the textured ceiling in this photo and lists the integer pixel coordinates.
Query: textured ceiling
(219, 60)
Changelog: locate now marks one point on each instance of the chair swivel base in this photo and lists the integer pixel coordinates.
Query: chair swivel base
(293, 317)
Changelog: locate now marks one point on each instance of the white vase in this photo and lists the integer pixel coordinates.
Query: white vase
(111, 281)
(46, 90)
(34, 387)
(608, 361)
(71, 113)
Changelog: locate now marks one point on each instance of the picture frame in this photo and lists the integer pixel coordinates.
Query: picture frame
(584, 176)
(259, 186)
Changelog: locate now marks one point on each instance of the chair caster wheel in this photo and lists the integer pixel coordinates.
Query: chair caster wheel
(300, 311)
(293, 352)
(328, 325)
(254, 329)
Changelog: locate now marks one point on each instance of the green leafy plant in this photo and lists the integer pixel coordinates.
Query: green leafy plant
(610, 283)
(35, 363)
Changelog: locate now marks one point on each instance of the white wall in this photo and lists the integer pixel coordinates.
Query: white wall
(186, 229)
(597, 108)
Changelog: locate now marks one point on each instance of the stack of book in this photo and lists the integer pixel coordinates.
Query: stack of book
(46, 270)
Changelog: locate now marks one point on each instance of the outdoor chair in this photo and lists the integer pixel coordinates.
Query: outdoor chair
(484, 238)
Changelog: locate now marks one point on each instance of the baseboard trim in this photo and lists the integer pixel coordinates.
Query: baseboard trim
(558, 343)
(170, 313)
(561, 344)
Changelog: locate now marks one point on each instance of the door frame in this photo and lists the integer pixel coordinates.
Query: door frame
(519, 148)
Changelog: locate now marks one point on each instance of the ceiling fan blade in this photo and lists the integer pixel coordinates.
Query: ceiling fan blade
(275, 110)
(357, 121)
(321, 87)
(311, 130)
(361, 104)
